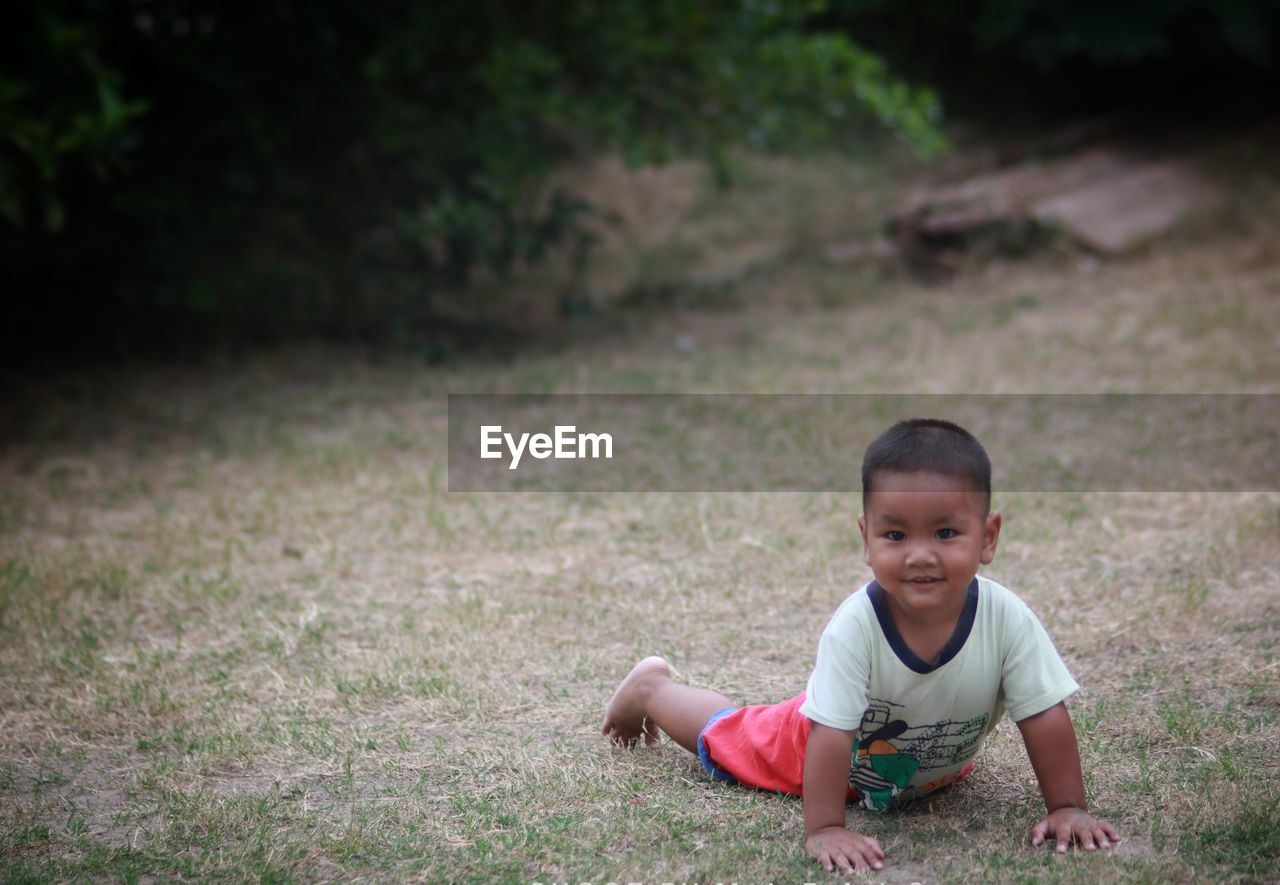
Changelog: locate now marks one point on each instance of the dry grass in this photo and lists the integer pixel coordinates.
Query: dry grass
(246, 633)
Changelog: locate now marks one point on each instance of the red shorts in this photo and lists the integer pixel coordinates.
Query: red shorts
(760, 746)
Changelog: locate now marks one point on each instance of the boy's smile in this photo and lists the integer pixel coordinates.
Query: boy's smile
(925, 535)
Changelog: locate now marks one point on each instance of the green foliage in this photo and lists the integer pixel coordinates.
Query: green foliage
(1050, 35)
(62, 113)
(342, 168)
(997, 61)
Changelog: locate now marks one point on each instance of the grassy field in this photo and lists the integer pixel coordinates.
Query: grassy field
(247, 633)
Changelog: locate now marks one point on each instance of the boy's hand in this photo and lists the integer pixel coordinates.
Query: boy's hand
(1073, 825)
(845, 850)
(1051, 744)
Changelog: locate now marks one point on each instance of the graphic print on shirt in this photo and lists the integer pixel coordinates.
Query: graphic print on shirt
(889, 752)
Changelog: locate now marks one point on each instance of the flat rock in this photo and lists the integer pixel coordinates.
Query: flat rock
(1120, 212)
(1003, 195)
(1108, 199)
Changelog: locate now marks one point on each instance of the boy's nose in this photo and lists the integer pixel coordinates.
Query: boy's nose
(920, 553)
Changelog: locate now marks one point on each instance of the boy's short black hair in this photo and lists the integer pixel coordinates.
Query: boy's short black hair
(928, 445)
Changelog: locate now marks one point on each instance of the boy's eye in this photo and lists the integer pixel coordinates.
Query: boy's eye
(896, 535)
(944, 534)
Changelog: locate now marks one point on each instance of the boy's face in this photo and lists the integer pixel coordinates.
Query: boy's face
(924, 536)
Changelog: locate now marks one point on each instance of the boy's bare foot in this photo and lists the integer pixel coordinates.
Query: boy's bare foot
(624, 716)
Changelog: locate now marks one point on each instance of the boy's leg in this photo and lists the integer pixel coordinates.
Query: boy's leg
(649, 699)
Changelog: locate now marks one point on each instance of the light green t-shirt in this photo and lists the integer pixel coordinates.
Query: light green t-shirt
(919, 724)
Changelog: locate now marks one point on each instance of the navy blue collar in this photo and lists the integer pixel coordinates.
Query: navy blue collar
(963, 627)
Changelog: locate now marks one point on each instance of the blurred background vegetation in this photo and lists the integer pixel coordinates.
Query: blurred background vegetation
(178, 175)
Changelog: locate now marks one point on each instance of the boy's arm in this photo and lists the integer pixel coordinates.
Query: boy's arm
(827, 759)
(1051, 744)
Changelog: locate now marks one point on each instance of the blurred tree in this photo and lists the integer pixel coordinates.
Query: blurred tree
(1093, 53)
(236, 169)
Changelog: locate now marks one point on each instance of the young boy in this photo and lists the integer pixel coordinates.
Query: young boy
(912, 673)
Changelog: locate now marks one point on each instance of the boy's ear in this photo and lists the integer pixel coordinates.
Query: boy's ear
(862, 530)
(990, 535)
